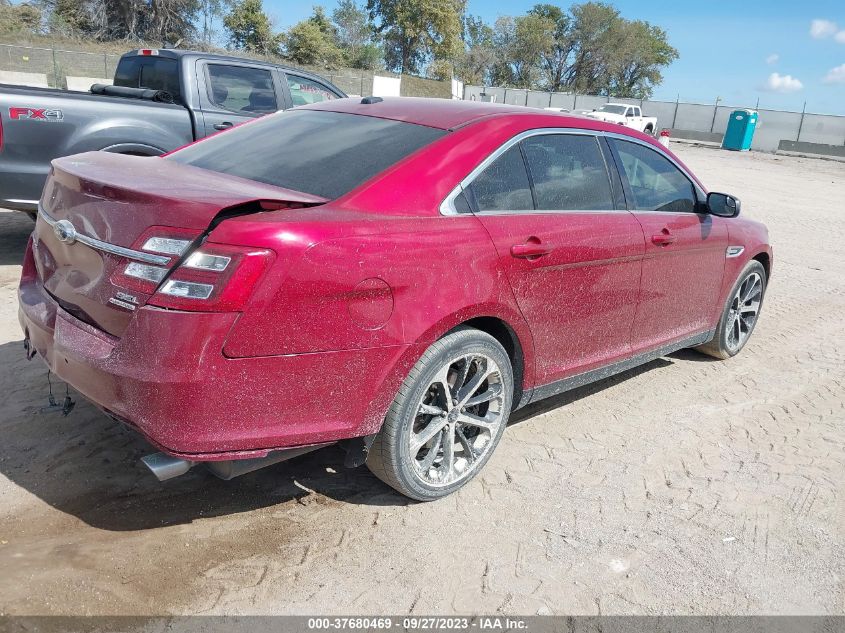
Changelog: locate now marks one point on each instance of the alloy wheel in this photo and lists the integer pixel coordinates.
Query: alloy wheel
(457, 420)
(743, 311)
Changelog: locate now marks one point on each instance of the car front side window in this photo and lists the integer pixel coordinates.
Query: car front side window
(655, 182)
(242, 89)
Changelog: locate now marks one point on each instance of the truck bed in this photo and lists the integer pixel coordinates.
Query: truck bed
(40, 124)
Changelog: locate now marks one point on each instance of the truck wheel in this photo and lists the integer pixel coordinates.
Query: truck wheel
(649, 130)
(447, 418)
(740, 313)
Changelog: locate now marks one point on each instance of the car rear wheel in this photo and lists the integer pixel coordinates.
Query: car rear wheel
(740, 313)
(447, 418)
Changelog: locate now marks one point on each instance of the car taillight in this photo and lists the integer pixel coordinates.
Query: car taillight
(156, 240)
(213, 278)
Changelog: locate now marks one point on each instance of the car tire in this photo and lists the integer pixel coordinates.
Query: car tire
(745, 298)
(409, 453)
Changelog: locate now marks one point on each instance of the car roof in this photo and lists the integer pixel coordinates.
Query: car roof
(445, 114)
(178, 53)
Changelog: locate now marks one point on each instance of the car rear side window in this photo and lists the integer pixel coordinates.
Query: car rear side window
(656, 183)
(242, 89)
(152, 72)
(568, 173)
(322, 153)
(504, 185)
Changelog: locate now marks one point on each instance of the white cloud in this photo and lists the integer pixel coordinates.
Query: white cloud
(840, 37)
(782, 83)
(835, 76)
(773, 58)
(820, 29)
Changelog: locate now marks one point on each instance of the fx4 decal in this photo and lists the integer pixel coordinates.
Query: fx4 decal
(35, 114)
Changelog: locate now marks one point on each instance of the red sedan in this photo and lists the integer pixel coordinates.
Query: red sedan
(397, 275)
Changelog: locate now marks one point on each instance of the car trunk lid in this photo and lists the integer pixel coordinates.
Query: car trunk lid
(99, 209)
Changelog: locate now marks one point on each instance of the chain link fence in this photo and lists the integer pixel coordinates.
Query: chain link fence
(695, 120)
(52, 66)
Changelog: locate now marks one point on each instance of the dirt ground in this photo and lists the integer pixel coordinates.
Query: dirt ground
(687, 486)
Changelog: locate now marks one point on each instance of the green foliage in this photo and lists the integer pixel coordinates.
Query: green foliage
(20, 18)
(249, 28)
(416, 30)
(591, 49)
(356, 37)
(169, 22)
(312, 42)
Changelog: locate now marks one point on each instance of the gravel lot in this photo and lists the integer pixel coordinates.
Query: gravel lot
(687, 486)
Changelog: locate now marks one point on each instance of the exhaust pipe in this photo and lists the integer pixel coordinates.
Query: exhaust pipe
(166, 467)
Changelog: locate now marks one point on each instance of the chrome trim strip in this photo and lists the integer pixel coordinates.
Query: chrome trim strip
(734, 251)
(99, 245)
(447, 207)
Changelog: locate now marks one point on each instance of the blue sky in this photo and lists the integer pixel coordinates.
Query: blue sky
(738, 50)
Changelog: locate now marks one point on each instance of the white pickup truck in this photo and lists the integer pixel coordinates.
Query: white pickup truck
(627, 115)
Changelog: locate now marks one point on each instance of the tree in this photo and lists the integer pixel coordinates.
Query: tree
(249, 28)
(591, 49)
(313, 42)
(414, 31)
(522, 42)
(475, 64)
(634, 69)
(209, 11)
(20, 18)
(356, 36)
(554, 60)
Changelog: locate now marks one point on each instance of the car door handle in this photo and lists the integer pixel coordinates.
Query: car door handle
(664, 238)
(223, 126)
(530, 249)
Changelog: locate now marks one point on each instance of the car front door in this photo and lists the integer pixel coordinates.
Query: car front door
(571, 253)
(685, 248)
(232, 93)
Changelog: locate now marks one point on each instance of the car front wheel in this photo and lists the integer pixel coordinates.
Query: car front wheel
(447, 418)
(740, 314)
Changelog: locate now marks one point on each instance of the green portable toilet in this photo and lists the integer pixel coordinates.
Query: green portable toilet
(740, 132)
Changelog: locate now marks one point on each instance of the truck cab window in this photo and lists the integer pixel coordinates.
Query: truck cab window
(154, 73)
(242, 89)
(304, 91)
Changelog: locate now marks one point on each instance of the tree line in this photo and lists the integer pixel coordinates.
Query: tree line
(587, 48)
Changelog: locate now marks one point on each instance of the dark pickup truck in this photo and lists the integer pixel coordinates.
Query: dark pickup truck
(207, 93)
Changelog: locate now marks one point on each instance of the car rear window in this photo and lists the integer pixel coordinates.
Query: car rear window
(322, 153)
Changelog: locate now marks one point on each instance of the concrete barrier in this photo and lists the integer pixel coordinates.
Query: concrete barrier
(33, 80)
(819, 149)
(83, 84)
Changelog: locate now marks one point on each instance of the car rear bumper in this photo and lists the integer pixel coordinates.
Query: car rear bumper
(167, 377)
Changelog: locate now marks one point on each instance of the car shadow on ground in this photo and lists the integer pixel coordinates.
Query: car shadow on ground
(88, 466)
(15, 229)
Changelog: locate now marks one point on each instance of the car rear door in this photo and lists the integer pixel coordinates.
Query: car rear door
(233, 92)
(684, 247)
(570, 251)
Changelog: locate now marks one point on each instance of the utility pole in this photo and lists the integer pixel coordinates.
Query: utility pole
(715, 110)
(801, 123)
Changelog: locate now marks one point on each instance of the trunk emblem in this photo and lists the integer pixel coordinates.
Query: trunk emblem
(65, 232)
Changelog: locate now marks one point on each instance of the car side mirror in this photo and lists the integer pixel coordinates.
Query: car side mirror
(722, 205)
